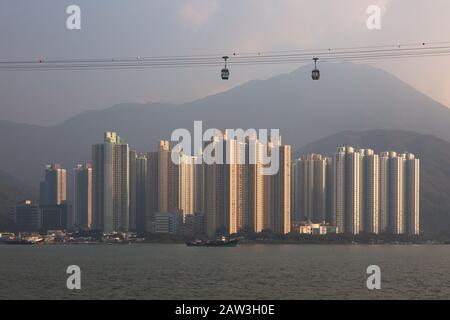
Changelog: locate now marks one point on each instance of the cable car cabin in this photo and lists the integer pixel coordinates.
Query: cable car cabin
(315, 74)
(225, 74)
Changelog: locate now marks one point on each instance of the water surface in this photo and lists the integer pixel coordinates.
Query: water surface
(174, 271)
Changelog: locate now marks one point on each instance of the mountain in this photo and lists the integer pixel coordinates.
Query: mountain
(11, 191)
(434, 155)
(348, 97)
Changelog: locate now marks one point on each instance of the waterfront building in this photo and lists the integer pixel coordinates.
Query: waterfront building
(110, 164)
(82, 196)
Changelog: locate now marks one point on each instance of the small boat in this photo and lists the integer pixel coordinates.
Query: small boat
(213, 243)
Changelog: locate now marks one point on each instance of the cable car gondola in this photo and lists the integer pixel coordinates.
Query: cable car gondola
(225, 72)
(316, 72)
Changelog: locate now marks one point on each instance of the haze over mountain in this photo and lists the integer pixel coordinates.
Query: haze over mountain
(11, 191)
(348, 97)
(434, 155)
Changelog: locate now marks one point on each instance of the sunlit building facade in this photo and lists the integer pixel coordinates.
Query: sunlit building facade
(110, 164)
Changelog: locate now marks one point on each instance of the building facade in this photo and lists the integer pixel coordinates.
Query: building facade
(82, 196)
(110, 164)
(53, 190)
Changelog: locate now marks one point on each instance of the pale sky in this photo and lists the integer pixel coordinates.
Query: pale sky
(31, 29)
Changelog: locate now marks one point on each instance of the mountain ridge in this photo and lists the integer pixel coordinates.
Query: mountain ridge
(348, 97)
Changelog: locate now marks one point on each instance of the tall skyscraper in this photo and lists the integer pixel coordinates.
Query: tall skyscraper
(412, 194)
(215, 197)
(54, 188)
(163, 176)
(221, 184)
(234, 190)
(352, 190)
(173, 185)
(339, 189)
(199, 187)
(110, 164)
(320, 189)
(329, 216)
(132, 189)
(241, 184)
(396, 193)
(295, 191)
(182, 181)
(141, 192)
(399, 193)
(375, 194)
(362, 191)
(278, 205)
(254, 186)
(370, 192)
(310, 182)
(347, 190)
(82, 196)
(304, 177)
(152, 193)
(138, 191)
(384, 193)
(175, 180)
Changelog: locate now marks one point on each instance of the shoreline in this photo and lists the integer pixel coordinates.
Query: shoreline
(244, 243)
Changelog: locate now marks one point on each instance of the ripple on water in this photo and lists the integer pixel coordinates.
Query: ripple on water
(153, 271)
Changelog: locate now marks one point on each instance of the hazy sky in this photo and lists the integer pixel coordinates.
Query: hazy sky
(31, 29)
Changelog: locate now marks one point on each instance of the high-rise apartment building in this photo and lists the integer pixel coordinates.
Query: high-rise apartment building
(352, 191)
(399, 193)
(339, 189)
(356, 190)
(138, 191)
(221, 184)
(254, 186)
(214, 191)
(141, 192)
(152, 194)
(132, 189)
(171, 176)
(164, 165)
(320, 189)
(412, 194)
(388, 196)
(310, 188)
(110, 165)
(370, 192)
(347, 190)
(237, 195)
(199, 187)
(396, 193)
(329, 216)
(163, 176)
(185, 174)
(278, 194)
(384, 192)
(53, 190)
(82, 196)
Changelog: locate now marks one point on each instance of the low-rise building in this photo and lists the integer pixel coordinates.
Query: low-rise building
(313, 228)
(167, 223)
(26, 216)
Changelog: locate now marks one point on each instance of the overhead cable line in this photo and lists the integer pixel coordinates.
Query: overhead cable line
(245, 59)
